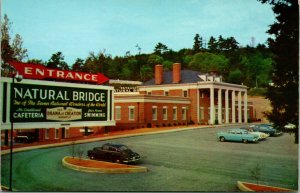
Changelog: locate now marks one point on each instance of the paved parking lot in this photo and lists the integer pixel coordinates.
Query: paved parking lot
(192, 160)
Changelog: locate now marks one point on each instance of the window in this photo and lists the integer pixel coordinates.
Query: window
(201, 113)
(118, 112)
(47, 133)
(174, 113)
(185, 93)
(131, 113)
(56, 133)
(149, 93)
(154, 113)
(183, 110)
(166, 93)
(165, 113)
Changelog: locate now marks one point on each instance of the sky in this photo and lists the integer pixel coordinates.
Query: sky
(78, 27)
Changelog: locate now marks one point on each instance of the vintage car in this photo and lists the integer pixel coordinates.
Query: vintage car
(266, 128)
(290, 126)
(261, 135)
(241, 135)
(114, 152)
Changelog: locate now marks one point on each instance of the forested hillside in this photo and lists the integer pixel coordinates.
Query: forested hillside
(250, 65)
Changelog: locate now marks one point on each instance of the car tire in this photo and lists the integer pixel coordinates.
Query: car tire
(245, 141)
(222, 139)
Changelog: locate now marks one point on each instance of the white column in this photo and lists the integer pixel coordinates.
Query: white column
(226, 107)
(108, 106)
(240, 106)
(245, 107)
(198, 105)
(233, 106)
(212, 106)
(219, 106)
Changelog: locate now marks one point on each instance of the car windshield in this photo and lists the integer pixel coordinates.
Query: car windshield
(123, 148)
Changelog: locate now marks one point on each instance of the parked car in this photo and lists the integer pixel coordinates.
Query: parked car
(114, 152)
(290, 126)
(241, 135)
(266, 128)
(25, 137)
(261, 135)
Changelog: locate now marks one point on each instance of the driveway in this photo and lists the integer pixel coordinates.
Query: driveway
(192, 160)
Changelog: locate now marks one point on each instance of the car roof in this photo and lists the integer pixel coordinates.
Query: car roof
(117, 145)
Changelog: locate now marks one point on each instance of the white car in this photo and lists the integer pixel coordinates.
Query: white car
(261, 135)
(290, 126)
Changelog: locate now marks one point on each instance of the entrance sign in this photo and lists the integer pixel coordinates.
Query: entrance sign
(37, 71)
(47, 104)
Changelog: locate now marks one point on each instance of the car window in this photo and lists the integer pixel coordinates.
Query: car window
(105, 147)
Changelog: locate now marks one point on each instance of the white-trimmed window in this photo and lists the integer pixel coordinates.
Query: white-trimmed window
(118, 112)
(166, 93)
(185, 93)
(154, 112)
(47, 131)
(183, 113)
(174, 113)
(165, 113)
(131, 113)
(149, 93)
(56, 133)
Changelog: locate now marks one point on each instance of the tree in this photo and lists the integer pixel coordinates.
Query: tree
(78, 65)
(19, 53)
(154, 59)
(235, 76)
(160, 48)
(197, 43)
(212, 44)
(284, 93)
(146, 72)
(6, 49)
(206, 62)
(57, 61)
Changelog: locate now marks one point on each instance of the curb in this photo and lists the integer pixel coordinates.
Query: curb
(125, 170)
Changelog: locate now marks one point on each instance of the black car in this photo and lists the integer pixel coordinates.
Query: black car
(113, 152)
(267, 128)
(25, 137)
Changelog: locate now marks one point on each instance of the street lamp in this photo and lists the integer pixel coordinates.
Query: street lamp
(18, 78)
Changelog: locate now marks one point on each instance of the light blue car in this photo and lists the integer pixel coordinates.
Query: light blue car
(241, 135)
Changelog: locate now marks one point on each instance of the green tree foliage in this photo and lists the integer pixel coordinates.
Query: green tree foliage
(212, 44)
(146, 73)
(78, 66)
(197, 43)
(235, 76)
(154, 59)
(206, 62)
(57, 61)
(284, 94)
(160, 48)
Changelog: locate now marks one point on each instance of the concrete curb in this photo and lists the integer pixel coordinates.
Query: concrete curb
(244, 188)
(125, 170)
(3, 152)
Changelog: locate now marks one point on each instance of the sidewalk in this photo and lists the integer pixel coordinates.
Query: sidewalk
(100, 137)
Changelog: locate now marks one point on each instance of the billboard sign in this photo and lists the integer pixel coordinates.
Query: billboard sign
(31, 102)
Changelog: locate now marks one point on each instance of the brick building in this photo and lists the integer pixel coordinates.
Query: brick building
(181, 97)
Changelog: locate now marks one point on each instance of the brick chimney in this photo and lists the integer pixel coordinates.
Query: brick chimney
(176, 72)
(158, 74)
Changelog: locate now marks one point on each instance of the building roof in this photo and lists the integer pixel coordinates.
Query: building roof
(187, 76)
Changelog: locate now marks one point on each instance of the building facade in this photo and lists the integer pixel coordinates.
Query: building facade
(180, 97)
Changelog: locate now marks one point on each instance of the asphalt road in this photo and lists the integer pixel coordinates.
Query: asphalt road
(192, 160)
